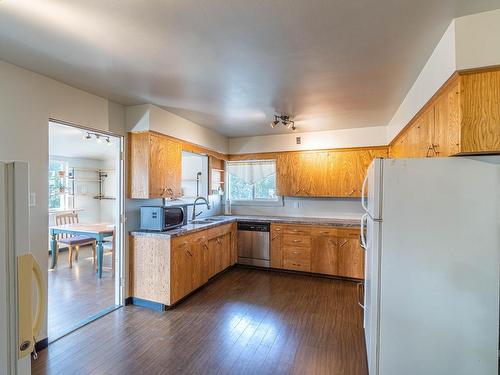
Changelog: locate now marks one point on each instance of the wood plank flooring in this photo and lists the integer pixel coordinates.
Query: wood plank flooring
(244, 322)
(77, 293)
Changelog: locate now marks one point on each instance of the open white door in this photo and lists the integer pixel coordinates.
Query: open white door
(19, 272)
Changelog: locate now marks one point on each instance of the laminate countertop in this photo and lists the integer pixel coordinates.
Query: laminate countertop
(225, 219)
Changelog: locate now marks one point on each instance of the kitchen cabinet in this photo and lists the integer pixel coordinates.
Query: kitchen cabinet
(351, 255)
(188, 267)
(276, 257)
(324, 251)
(219, 254)
(317, 249)
(462, 118)
(155, 166)
(329, 173)
(165, 270)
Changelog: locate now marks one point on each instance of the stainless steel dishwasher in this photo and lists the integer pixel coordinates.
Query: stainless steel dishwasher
(253, 243)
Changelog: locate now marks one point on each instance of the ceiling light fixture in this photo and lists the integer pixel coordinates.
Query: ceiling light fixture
(284, 120)
(98, 137)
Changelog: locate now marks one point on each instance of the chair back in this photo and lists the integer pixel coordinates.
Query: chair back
(66, 218)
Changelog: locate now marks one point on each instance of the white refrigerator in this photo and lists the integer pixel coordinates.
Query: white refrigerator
(432, 266)
(20, 275)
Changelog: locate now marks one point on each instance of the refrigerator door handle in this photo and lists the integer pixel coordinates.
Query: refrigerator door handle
(362, 238)
(363, 190)
(360, 294)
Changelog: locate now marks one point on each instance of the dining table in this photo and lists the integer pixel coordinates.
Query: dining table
(97, 231)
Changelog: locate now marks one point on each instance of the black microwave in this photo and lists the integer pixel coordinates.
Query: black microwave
(160, 218)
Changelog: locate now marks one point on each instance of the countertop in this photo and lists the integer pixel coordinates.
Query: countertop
(225, 219)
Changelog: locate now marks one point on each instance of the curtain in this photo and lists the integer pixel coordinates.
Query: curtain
(251, 171)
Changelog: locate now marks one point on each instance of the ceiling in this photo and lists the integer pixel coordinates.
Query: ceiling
(68, 141)
(230, 65)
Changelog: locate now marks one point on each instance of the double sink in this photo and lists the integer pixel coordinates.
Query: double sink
(208, 220)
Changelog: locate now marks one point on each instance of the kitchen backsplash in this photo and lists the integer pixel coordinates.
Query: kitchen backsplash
(307, 207)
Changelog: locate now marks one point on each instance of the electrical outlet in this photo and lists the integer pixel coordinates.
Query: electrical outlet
(298, 140)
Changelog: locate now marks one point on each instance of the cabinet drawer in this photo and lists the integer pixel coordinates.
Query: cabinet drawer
(352, 233)
(304, 231)
(189, 239)
(297, 265)
(324, 231)
(219, 230)
(297, 253)
(296, 240)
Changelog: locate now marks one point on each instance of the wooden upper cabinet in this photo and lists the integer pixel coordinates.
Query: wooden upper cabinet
(462, 118)
(446, 134)
(155, 165)
(330, 173)
(480, 112)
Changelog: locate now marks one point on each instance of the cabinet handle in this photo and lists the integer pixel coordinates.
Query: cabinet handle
(189, 253)
(295, 252)
(275, 237)
(205, 246)
(351, 193)
(296, 264)
(344, 243)
(359, 290)
(434, 148)
(428, 151)
(297, 241)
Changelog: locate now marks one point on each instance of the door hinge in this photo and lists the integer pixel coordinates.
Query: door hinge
(121, 155)
(123, 218)
(122, 282)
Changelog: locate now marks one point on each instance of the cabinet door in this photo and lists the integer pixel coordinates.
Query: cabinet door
(212, 256)
(275, 248)
(199, 248)
(446, 137)
(182, 270)
(225, 250)
(350, 258)
(165, 166)
(302, 174)
(324, 254)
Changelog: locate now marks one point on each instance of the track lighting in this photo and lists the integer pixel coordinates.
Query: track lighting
(284, 120)
(98, 137)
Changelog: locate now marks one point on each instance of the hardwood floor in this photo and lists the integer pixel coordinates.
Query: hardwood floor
(244, 322)
(77, 293)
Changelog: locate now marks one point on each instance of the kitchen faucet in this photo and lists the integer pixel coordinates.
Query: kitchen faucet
(194, 206)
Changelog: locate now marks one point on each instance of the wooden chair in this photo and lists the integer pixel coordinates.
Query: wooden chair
(112, 241)
(73, 241)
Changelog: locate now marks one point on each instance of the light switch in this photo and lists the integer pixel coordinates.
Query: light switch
(32, 199)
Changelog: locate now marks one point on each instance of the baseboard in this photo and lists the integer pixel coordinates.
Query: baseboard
(42, 344)
(145, 303)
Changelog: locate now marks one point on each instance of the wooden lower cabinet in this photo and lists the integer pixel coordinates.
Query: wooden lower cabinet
(322, 250)
(165, 270)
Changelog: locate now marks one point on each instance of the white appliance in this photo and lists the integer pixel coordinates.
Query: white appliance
(432, 266)
(20, 322)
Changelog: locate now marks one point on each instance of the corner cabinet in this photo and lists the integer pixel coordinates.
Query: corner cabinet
(330, 173)
(462, 118)
(155, 166)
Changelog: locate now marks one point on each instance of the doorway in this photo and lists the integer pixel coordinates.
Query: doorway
(85, 180)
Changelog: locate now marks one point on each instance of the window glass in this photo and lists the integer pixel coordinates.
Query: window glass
(252, 180)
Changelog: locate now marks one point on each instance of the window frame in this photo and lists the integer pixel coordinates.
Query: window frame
(63, 198)
(277, 202)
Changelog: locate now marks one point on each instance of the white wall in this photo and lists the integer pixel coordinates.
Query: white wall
(440, 66)
(150, 117)
(478, 40)
(27, 101)
(358, 137)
